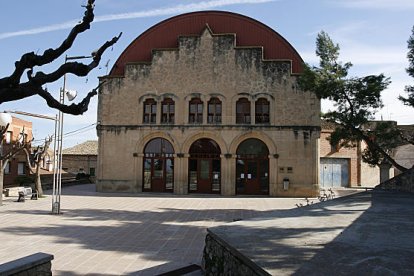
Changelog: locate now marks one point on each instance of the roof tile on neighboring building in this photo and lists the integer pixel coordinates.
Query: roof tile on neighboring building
(86, 148)
(325, 125)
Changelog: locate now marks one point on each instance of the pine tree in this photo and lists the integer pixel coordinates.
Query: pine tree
(356, 100)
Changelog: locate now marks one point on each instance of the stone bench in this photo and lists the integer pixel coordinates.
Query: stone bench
(27, 192)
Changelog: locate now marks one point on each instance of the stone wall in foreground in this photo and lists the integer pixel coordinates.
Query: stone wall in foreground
(403, 182)
(219, 258)
(39, 264)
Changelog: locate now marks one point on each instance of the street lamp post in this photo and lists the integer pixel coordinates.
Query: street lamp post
(57, 171)
(5, 120)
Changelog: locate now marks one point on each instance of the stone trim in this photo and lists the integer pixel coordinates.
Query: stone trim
(35, 264)
(215, 126)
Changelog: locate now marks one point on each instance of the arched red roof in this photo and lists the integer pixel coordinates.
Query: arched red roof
(249, 32)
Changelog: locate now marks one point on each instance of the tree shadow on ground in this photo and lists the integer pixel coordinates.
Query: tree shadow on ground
(171, 235)
(378, 241)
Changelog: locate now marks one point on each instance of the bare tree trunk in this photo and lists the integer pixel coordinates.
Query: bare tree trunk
(38, 182)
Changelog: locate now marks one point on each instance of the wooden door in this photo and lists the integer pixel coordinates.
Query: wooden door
(157, 179)
(204, 178)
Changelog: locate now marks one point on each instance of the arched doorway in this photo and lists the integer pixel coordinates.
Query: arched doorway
(252, 168)
(158, 166)
(204, 171)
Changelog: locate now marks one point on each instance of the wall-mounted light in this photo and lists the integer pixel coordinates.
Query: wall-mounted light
(227, 155)
(180, 155)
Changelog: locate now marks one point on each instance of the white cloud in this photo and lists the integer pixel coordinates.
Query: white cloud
(45, 29)
(360, 50)
(378, 4)
(364, 55)
(204, 5)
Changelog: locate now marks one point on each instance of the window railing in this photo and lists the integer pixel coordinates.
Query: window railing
(243, 119)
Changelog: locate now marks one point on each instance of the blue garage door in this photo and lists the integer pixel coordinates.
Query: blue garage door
(334, 172)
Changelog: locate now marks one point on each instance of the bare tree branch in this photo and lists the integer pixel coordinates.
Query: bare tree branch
(12, 89)
(17, 147)
(30, 60)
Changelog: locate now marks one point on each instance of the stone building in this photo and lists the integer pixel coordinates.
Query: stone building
(81, 158)
(208, 102)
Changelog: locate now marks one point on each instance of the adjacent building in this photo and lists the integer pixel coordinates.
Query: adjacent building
(81, 158)
(343, 167)
(208, 102)
(16, 170)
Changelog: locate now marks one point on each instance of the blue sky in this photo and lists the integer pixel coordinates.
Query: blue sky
(372, 35)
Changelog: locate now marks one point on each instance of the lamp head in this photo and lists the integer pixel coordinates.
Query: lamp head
(71, 94)
(5, 119)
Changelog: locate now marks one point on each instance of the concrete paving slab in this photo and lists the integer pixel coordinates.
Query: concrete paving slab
(369, 233)
(147, 234)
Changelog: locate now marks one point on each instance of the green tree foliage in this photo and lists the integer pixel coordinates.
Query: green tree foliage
(410, 70)
(356, 100)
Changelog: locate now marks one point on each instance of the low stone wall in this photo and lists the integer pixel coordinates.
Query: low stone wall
(219, 258)
(39, 264)
(403, 182)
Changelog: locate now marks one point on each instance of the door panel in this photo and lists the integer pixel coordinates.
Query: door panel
(264, 176)
(240, 177)
(147, 174)
(169, 175)
(252, 176)
(204, 178)
(252, 183)
(157, 180)
(334, 172)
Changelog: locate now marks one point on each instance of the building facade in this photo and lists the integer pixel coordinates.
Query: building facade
(81, 158)
(17, 167)
(343, 167)
(208, 102)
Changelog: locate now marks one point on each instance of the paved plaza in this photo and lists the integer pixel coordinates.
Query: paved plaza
(369, 233)
(122, 234)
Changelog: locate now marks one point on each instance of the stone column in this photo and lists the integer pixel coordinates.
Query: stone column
(273, 171)
(228, 178)
(252, 112)
(139, 171)
(181, 174)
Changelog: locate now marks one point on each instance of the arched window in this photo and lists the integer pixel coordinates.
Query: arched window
(196, 111)
(262, 111)
(150, 111)
(168, 111)
(243, 111)
(214, 111)
(159, 147)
